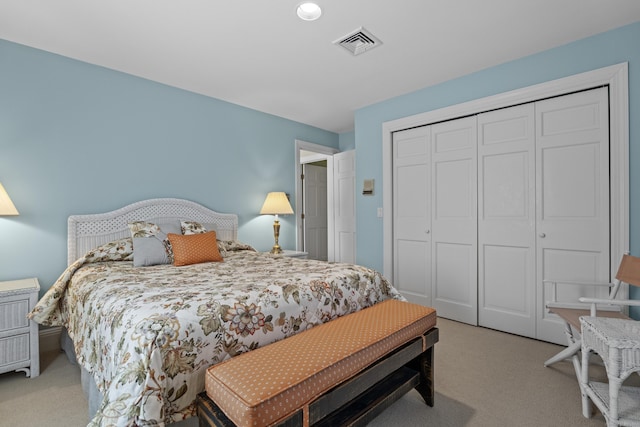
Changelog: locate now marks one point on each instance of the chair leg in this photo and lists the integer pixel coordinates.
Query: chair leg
(573, 346)
(568, 352)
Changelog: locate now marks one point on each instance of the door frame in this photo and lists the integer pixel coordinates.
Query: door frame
(324, 153)
(615, 76)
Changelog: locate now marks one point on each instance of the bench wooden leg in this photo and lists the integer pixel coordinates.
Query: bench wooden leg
(425, 365)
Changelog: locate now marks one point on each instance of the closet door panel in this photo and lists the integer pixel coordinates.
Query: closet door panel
(508, 292)
(573, 224)
(574, 193)
(454, 219)
(453, 263)
(412, 270)
(506, 220)
(412, 215)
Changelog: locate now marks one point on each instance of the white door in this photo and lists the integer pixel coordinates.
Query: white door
(315, 210)
(412, 214)
(454, 260)
(506, 220)
(487, 207)
(572, 168)
(434, 217)
(344, 192)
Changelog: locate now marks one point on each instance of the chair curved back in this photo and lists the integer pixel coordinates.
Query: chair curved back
(629, 270)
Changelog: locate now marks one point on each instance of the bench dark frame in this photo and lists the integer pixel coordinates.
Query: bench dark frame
(357, 401)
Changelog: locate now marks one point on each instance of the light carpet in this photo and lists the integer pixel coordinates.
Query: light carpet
(483, 378)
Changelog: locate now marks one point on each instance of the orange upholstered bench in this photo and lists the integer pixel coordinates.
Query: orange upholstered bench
(342, 372)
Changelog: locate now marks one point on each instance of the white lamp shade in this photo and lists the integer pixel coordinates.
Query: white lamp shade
(6, 205)
(276, 203)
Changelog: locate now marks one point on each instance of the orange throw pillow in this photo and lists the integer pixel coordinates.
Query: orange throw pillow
(194, 248)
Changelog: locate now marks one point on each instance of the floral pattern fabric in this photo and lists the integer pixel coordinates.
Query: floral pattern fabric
(147, 335)
(192, 227)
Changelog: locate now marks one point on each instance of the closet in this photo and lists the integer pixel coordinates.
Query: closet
(486, 207)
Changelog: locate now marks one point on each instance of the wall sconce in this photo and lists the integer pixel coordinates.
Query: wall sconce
(6, 205)
(276, 204)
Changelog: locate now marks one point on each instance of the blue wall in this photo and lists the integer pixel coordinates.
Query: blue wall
(347, 141)
(613, 47)
(77, 138)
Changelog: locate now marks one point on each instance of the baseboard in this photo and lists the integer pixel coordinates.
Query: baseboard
(50, 338)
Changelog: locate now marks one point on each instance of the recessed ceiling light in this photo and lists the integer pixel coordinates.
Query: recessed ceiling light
(309, 11)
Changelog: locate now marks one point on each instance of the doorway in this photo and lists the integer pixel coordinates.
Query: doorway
(314, 207)
(309, 153)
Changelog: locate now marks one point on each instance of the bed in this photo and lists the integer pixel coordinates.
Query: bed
(144, 335)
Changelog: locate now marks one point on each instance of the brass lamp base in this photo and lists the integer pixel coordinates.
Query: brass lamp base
(276, 234)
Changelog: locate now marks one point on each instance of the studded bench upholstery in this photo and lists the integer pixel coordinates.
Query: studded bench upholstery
(266, 386)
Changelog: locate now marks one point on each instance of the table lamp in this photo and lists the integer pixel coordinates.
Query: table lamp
(276, 204)
(6, 205)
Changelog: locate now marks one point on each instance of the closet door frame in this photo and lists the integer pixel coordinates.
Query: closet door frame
(615, 76)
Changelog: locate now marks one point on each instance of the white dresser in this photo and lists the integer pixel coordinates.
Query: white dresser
(19, 349)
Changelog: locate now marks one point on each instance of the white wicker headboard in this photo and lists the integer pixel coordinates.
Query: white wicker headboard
(86, 232)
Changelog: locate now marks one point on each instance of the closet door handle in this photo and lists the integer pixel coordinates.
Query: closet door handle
(427, 231)
(542, 235)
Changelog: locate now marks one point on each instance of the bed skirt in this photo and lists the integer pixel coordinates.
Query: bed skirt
(89, 388)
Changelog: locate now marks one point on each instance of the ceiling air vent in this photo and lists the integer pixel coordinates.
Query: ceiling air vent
(358, 41)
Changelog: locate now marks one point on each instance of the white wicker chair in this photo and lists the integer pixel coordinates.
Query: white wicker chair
(628, 272)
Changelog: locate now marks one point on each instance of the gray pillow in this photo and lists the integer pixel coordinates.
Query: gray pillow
(155, 249)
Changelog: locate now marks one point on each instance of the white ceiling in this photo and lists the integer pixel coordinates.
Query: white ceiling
(259, 54)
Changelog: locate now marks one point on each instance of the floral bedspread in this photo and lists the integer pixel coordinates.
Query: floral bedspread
(148, 334)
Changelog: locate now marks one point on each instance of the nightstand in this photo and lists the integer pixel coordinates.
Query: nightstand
(292, 254)
(295, 254)
(19, 347)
